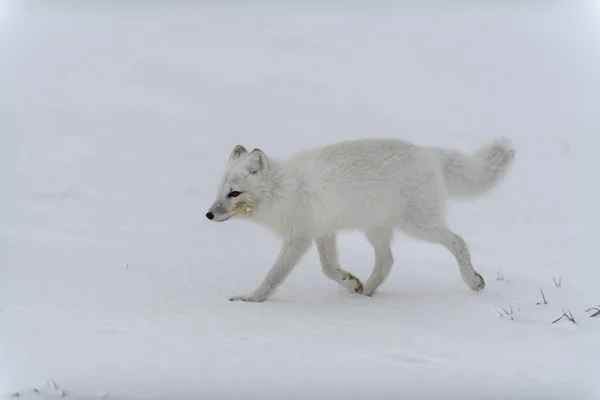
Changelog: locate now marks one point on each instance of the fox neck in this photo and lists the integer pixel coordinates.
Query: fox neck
(277, 202)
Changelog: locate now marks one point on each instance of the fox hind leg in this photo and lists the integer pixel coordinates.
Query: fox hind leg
(456, 245)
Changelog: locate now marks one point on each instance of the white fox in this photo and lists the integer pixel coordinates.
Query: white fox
(374, 185)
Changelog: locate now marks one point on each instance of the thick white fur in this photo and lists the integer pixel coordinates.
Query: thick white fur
(374, 185)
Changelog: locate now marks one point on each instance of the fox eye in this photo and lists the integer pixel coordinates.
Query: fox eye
(235, 193)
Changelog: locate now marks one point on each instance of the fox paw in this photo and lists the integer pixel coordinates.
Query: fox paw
(352, 283)
(476, 282)
(368, 291)
(249, 298)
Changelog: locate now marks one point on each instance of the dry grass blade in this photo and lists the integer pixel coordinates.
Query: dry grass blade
(509, 313)
(557, 283)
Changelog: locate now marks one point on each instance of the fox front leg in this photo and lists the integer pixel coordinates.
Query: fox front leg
(292, 250)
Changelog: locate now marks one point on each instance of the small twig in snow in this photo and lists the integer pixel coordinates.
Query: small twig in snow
(127, 265)
(594, 308)
(543, 298)
(557, 283)
(55, 385)
(36, 391)
(564, 315)
(63, 394)
(16, 394)
(559, 318)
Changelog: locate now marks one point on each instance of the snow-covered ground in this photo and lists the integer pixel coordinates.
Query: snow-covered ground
(116, 122)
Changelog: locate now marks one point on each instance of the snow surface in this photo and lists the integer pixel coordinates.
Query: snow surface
(116, 121)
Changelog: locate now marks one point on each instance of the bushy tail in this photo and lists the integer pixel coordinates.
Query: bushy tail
(472, 175)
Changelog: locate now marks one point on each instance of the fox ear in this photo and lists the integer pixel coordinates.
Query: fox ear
(237, 151)
(258, 161)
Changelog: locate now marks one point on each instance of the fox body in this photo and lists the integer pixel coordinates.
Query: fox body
(374, 185)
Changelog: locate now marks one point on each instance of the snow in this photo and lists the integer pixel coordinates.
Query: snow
(115, 124)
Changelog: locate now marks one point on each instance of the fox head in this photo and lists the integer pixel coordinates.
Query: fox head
(243, 187)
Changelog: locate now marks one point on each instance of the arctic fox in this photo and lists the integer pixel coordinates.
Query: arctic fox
(374, 185)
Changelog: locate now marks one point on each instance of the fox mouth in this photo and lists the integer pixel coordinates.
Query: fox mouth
(241, 209)
(223, 219)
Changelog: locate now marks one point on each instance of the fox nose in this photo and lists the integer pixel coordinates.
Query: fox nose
(210, 215)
